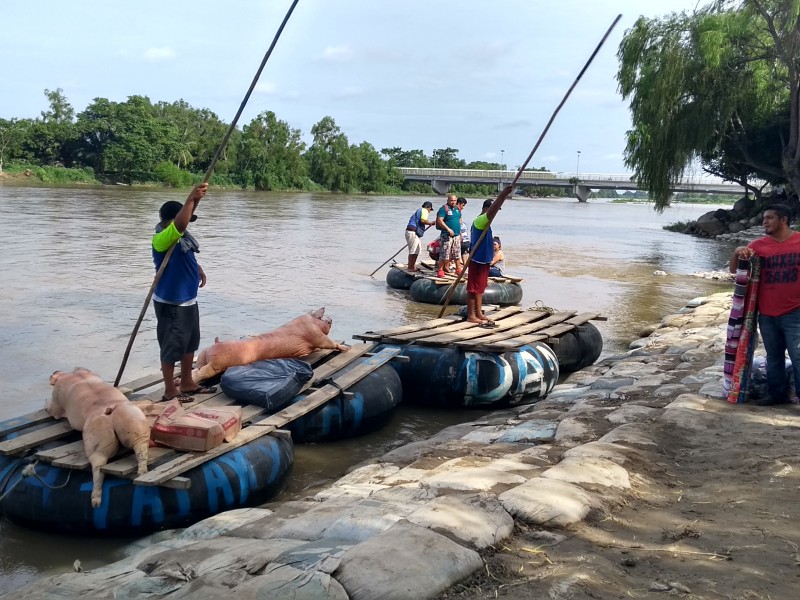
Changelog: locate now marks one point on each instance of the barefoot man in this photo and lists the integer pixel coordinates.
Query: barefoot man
(478, 273)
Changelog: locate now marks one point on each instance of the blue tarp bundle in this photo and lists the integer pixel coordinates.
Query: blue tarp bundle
(268, 383)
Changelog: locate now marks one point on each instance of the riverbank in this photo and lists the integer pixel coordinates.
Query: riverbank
(634, 478)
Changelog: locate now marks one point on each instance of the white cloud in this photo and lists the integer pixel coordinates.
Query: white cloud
(265, 87)
(340, 53)
(159, 54)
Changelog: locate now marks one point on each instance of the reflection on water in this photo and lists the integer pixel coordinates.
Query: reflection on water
(76, 266)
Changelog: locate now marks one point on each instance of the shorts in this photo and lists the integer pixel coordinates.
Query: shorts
(464, 247)
(477, 277)
(449, 247)
(412, 240)
(178, 330)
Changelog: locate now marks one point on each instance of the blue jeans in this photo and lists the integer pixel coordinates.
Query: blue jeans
(780, 334)
(495, 272)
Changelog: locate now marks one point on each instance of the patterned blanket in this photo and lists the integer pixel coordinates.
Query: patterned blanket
(741, 334)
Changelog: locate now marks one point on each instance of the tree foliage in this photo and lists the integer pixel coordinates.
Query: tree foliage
(718, 86)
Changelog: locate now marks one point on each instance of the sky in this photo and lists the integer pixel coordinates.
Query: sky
(481, 76)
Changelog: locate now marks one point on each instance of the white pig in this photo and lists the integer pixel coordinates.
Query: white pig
(297, 338)
(104, 415)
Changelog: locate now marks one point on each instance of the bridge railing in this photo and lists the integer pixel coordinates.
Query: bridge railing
(508, 175)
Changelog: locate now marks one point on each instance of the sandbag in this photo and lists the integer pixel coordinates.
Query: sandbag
(270, 384)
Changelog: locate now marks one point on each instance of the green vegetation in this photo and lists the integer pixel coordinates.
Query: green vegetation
(678, 226)
(719, 86)
(172, 144)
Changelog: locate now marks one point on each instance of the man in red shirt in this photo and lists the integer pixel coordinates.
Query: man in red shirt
(778, 298)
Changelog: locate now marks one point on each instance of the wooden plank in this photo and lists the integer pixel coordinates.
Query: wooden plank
(128, 464)
(141, 383)
(23, 422)
(52, 454)
(533, 326)
(457, 324)
(378, 335)
(503, 346)
(188, 461)
(585, 318)
(26, 441)
(505, 326)
(506, 329)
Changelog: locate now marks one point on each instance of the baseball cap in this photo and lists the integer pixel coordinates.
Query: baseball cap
(170, 209)
(427, 204)
(487, 203)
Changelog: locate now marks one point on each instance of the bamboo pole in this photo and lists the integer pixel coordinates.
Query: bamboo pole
(206, 178)
(503, 195)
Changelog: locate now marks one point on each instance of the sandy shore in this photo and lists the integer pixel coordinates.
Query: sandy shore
(634, 479)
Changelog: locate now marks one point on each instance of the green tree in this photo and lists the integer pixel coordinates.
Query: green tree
(125, 138)
(331, 161)
(10, 135)
(719, 86)
(447, 158)
(270, 154)
(406, 158)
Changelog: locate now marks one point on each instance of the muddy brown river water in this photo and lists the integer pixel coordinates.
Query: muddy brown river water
(76, 266)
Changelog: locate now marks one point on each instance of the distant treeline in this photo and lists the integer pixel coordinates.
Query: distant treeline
(138, 142)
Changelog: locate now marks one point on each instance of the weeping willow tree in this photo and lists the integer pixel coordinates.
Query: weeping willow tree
(719, 87)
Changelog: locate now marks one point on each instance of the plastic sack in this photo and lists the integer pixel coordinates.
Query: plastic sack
(270, 384)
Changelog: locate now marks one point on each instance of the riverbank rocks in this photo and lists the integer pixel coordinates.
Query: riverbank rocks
(416, 521)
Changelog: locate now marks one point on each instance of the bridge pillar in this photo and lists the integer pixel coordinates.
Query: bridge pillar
(582, 193)
(440, 187)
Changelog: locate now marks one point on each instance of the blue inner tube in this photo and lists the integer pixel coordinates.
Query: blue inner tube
(399, 279)
(450, 377)
(500, 293)
(57, 499)
(370, 408)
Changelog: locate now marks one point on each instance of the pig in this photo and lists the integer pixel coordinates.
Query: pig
(104, 415)
(297, 338)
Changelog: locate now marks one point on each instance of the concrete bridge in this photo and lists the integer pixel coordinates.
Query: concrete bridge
(582, 184)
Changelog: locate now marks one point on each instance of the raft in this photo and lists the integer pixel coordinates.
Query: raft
(433, 291)
(43, 496)
(46, 480)
(368, 406)
(452, 377)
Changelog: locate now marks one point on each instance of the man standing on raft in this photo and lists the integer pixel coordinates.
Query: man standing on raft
(175, 296)
(478, 273)
(415, 229)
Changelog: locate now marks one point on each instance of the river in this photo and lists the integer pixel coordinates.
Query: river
(76, 266)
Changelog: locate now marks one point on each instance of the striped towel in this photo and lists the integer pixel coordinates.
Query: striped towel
(746, 343)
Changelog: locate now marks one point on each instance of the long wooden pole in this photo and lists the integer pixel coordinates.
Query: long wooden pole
(206, 178)
(388, 259)
(522, 167)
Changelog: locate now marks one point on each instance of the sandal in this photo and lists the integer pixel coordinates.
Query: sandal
(211, 389)
(488, 324)
(183, 398)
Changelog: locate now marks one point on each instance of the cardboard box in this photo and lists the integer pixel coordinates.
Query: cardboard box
(198, 430)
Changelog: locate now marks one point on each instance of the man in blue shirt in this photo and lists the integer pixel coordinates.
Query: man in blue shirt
(175, 295)
(478, 273)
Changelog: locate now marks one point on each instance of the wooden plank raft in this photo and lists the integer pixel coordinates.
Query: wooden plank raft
(70, 454)
(515, 327)
(427, 270)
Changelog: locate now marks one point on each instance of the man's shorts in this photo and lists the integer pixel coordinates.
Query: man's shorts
(178, 330)
(464, 247)
(413, 243)
(477, 277)
(449, 247)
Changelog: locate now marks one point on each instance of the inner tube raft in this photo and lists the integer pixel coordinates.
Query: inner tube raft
(578, 348)
(367, 407)
(42, 496)
(504, 293)
(399, 279)
(448, 377)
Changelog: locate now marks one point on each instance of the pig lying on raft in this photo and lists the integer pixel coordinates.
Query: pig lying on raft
(297, 338)
(104, 415)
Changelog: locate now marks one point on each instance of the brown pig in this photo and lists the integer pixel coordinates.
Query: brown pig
(297, 338)
(104, 415)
